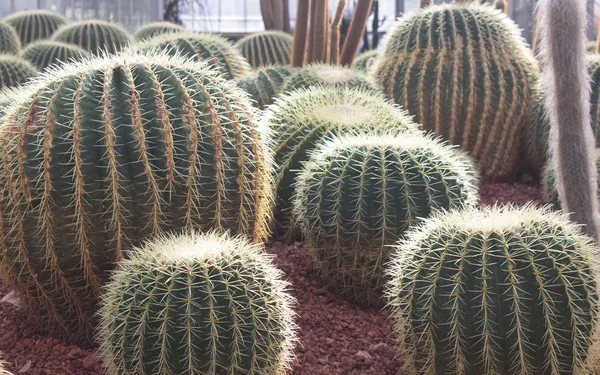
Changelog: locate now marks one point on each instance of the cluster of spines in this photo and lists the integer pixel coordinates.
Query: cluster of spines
(3, 371)
(156, 28)
(9, 40)
(265, 83)
(94, 36)
(266, 48)
(318, 74)
(15, 71)
(34, 25)
(45, 53)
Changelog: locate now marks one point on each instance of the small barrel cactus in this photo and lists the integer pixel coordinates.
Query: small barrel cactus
(203, 304)
(327, 75)
(9, 40)
(94, 36)
(501, 290)
(465, 73)
(45, 53)
(32, 25)
(358, 194)
(102, 154)
(267, 48)
(15, 71)
(156, 28)
(361, 62)
(217, 51)
(265, 83)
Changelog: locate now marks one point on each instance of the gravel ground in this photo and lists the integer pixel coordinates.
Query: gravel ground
(336, 337)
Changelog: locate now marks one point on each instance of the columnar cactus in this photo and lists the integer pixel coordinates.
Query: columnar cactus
(102, 154)
(502, 290)
(358, 194)
(45, 53)
(94, 36)
(156, 28)
(32, 25)
(9, 40)
(267, 48)
(362, 61)
(465, 73)
(327, 75)
(14, 71)
(266, 83)
(217, 51)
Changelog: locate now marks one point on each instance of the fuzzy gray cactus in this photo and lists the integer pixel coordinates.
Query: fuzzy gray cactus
(32, 25)
(95, 36)
(266, 83)
(327, 75)
(9, 40)
(46, 53)
(14, 71)
(157, 28)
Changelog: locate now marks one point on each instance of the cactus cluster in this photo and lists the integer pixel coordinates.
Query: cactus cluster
(501, 290)
(327, 75)
(217, 51)
(265, 83)
(95, 36)
(102, 154)
(464, 73)
(45, 53)
(151, 30)
(15, 71)
(9, 40)
(32, 25)
(361, 62)
(358, 194)
(266, 48)
(197, 304)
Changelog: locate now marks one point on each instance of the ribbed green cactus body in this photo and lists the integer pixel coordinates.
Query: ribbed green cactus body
(217, 51)
(361, 62)
(45, 53)
(106, 153)
(32, 25)
(501, 290)
(157, 28)
(14, 71)
(327, 75)
(464, 73)
(358, 194)
(197, 304)
(94, 36)
(267, 48)
(9, 40)
(265, 83)
(3, 371)
(7, 96)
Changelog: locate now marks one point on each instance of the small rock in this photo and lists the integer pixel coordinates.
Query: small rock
(372, 333)
(91, 362)
(364, 355)
(328, 341)
(74, 353)
(379, 347)
(10, 298)
(25, 368)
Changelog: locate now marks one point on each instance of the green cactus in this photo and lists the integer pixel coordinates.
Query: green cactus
(358, 194)
(9, 40)
(45, 53)
(502, 290)
(14, 71)
(466, 74)
(156, 28)
(203, 304)
(591, 46)
(95, 36)
(7, 97)
(327, 75)
(32, 25)
(361, 63)
(266, 83)
(218, 51)
(266, 48)
(102, 154)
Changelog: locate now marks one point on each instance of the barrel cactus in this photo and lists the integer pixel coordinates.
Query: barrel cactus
(358, 194)
(362, 61)
(14, 71)
(267, 48)
(591, 46)
(7, 96)
(218, 51)
(327, 75)
(156, 28)
(205, 304)
(266, 83)
(94, 36)
(45, 53)
(102, 154)
(465, 73)
(502, 290)
(32, 25)
(9, 40)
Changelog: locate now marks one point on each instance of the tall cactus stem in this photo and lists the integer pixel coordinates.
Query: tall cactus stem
(320, 32)
(362, 9)
(334, 43)
(267, 14)
(300, 33)
(311, 32)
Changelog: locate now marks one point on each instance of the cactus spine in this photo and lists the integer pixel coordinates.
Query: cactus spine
(9, 40)
(501, 290)
(2, 370)
(151, 30)
(32, 25)
(94, 36)
(14, 71)
(266, 83)
(327, 75)
(103, 154)
(266, 48)
(45, 53)
(202, 304)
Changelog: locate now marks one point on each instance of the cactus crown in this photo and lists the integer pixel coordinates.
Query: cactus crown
(9, 40)
(45, 53)
(14, 71)
(32, 25)
(361, 62)
(94, 36)
(265, 83)
(267, 48)
(327, 75)
(157, 28)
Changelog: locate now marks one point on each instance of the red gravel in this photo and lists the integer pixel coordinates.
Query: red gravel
(336, 337)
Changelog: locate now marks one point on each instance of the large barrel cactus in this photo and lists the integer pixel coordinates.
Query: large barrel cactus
(94, 36)
(103, 154)
(267, 48)
(501, 290)
(45, 53)
(32, 25)
(9, 40)
(358, 194)
(217, 51)
(327, 75)
(265, 83)
(203, 304)
(157, 28)
(465, 73)
(15, 71)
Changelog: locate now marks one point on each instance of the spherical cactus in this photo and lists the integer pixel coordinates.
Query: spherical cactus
(157, 28)
(45, 53)
(217, 51)
(267, 48)
(14, 71)
(266, 83)
(32, 25)
(466, 74)
(102, 154)
(327, 75)
(203, 304)
(358, 194)
(361, 63)
(501, 290)
(94, 36)
(9, 40)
